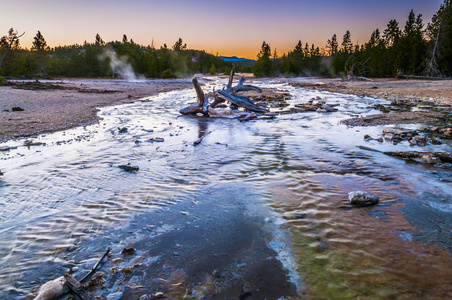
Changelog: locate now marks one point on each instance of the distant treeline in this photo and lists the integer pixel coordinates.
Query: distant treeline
(414, 49)
(100, 59)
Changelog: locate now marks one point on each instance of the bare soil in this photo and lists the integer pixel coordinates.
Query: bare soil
(406, 117)
(31, 108)
(439, 91)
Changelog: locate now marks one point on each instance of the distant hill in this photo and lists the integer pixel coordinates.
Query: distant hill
(235, 59)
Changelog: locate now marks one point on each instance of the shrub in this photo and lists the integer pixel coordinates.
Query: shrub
(168, 74)
(212, 70)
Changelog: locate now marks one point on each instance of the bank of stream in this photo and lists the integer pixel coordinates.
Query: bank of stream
(256, 210)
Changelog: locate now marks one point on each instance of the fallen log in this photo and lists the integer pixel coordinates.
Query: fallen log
(443, 156)
(77, 288)
(242, 101)
(216, 100)
(426, 157)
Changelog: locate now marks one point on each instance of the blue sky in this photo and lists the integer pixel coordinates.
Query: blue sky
(227, 27)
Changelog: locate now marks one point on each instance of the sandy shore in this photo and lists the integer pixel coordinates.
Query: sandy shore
(50, 106)
(439, 91)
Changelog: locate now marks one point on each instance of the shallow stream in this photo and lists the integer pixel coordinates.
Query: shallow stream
(290, 176)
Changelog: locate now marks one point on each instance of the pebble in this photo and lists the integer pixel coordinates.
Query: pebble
(157, 139)
(117, 261)
(115, 296)
(158, 295)
(328, 108)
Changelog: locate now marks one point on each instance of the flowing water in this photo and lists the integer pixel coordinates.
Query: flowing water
(299, 167)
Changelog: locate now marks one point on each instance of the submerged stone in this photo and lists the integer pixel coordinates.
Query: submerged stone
(52, 289)
(128, 251)
(362, 198)
(430, 159)
(294, 215)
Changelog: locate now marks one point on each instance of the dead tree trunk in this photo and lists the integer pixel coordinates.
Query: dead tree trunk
(231, 77)
(432, 66)
(242, 87)
(77, 288)
(201, 106)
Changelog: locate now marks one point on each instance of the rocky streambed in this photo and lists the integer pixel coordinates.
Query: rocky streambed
(221, 208)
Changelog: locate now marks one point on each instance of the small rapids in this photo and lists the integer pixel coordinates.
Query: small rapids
(292, 175)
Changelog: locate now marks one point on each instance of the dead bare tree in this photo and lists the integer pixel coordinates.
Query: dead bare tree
(350, 71)
(9, 42)
(432, 66)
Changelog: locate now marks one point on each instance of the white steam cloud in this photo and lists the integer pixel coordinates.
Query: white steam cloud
(119, 65)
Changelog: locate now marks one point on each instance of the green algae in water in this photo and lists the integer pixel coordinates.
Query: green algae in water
(334, 274)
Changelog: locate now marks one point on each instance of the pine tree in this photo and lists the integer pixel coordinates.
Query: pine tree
(412, 47)
(392, 33)
(332, 45)
(99, 42)
(179, 45)
(347, 45)
(39, 43)
(264, 66)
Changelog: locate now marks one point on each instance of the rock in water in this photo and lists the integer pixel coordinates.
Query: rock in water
(362, 198)
(129, 168)
(430, 159)
(52, 289)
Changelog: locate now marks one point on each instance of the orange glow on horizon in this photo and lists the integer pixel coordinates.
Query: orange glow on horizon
(207, 26)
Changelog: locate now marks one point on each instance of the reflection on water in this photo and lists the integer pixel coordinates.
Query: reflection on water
(55, 196)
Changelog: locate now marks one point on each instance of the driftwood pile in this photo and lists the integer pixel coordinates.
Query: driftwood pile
(228, 94)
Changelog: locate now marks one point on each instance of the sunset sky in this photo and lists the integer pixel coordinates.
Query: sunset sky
(225, 27)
